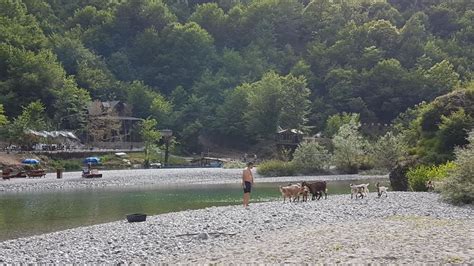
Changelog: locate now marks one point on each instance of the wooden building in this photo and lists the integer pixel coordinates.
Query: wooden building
(111, 122)
(288, 139)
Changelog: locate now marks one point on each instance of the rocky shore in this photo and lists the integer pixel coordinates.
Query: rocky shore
(405, 227)
(151, 177)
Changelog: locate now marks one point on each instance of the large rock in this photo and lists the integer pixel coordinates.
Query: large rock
(398, 177)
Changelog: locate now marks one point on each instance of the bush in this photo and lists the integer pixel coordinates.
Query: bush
(349, 147)
(72, 165)
(366, 162)
(418, 176)
(310, 157)
(276, 168)
(459, 186)
(442, 124)
(68, 165)
(334, 122)
(388, 150)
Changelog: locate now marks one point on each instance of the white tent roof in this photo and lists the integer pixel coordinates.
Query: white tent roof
(293, 130)
(53, 134)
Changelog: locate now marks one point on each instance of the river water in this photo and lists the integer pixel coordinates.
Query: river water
(30, 213)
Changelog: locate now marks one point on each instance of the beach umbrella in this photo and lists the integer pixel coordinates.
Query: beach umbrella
(30, 161)
(92, 160)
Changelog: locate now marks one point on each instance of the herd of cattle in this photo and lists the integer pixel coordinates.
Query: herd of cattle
(302, 190)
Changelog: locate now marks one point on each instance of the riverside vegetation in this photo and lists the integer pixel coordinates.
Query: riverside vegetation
(219, 68)
(394, 77)
(351, 150)
(387, 84)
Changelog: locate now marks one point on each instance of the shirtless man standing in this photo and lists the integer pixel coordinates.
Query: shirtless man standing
(247, 182)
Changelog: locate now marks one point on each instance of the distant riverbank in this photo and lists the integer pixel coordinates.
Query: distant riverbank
(147, 177)
(73, 160)
(405, 227)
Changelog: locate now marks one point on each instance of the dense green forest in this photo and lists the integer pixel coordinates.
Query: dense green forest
(238, 70)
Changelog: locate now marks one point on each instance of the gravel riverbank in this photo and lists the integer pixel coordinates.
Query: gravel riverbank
(151, 177)
(405, 227)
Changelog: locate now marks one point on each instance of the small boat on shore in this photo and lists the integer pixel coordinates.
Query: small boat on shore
(92, 173)
(36, 173)
(9, 173)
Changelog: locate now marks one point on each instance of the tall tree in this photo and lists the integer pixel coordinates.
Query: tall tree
(71, 107)
(388, 150)
(334, 122)
(264, 108)
(151, 136)
(26, 76)
(348, 147)
(295, 102)
(181, 54)
(276, 101)
(230, 119)
(413, 36)
(135, 16)
(19, 29)
(32, 118)
(213, 19)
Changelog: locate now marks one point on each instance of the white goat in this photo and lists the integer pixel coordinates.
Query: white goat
(359, 190)
(381, 190)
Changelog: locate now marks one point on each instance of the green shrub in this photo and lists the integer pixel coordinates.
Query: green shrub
(442, 124)
(334, 122)
(418, 176)
(388, 150)
(310, 157)
(276, 168)
(72, 165)
(107, 158)
(68, 165)
(366, 163)
(349, 147)
(55, 164)
(459, 187)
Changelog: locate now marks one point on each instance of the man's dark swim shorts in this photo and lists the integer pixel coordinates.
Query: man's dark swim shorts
(247, 187)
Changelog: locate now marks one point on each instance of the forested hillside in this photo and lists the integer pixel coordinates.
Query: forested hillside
(234, 70)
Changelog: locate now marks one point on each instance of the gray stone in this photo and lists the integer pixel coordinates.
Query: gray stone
(203, 236)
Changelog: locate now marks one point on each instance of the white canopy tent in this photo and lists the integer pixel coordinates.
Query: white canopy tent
(53, 134)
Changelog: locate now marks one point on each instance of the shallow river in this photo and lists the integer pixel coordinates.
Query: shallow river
(24, 214)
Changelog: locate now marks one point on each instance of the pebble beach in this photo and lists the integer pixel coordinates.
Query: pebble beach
(405, 227)
(152, 177)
